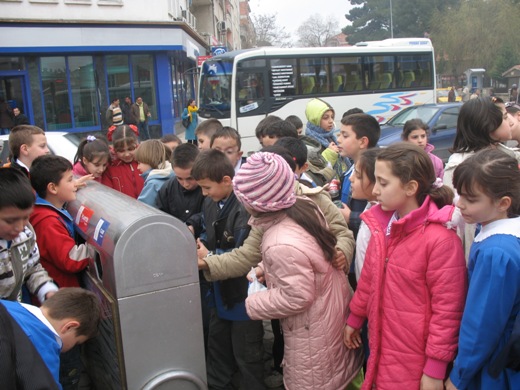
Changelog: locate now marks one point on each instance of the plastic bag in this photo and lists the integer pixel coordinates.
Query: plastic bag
(254, 286)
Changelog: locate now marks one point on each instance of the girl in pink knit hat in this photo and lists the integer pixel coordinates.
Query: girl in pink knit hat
(305, 291)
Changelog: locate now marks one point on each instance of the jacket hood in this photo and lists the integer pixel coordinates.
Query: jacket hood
(165, 172)
(315, 110)
(456, 159)
(45, 209)
(428, 213)
(429, 148)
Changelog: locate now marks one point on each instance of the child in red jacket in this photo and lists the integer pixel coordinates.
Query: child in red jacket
(413, 284)
(122, 174)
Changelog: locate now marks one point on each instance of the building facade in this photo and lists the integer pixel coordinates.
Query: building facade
(63, 61)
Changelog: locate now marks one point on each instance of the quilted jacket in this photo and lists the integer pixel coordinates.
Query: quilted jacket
(412, 290)
(310, 297)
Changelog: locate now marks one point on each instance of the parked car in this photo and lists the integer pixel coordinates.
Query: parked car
(441, 119)
(442, 95)
(59, 143)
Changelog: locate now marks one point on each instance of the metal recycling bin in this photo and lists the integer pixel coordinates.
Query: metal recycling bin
(145, 274)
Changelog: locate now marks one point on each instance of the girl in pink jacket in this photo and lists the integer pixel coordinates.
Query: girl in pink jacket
(413, 283)
(307, 293)
(416, 132)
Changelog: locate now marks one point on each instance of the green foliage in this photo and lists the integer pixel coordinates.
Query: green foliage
(478, 34)
(371, 18)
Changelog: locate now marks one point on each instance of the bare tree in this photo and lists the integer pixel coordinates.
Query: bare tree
(268, 33)
(315, 31)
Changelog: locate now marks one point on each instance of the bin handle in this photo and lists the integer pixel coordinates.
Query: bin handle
(164, 377)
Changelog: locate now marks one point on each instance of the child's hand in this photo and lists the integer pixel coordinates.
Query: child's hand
(339, 261)
(345, 211)
(429, 383)
(259, 275)
(351, 337)
(333, 147)
(449, 385)
(202, 251)
(82, 181)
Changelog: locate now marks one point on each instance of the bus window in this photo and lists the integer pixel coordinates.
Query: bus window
(313, 74)
(346, 70)
(379, 72)
(414, 71)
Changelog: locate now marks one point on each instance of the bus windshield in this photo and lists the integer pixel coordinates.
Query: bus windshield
(215, 89)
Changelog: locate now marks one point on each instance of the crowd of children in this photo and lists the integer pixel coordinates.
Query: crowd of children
(368, 286)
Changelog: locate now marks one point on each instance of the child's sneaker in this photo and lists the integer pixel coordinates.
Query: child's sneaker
(274, 380)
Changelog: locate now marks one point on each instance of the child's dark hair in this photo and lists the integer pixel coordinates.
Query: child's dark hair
(154, 153)
(409, 162)
(302, 213)
(213, 165)
(281, 129)
(76, 304)
(296, 147)
(367, 163)
(282, 152)
(185, 155)
(264, 123)
(208, 127)
(15, 189)
(411, 125)
(363, 125)
(352, 111)
(493, 172)
(21, 135)
(512, 108)
(478, 118)
(170, 138)
(48, 169)
(93, 149)
(124, 135)
(227, 132)
(295, 120)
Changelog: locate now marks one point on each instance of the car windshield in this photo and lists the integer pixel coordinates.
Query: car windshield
(425, 113)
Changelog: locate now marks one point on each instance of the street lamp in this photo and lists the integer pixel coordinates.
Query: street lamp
(391, 22)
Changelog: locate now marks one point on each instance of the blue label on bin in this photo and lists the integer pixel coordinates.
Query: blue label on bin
(100, 231)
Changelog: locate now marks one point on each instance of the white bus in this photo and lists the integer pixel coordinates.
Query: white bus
(242, 87)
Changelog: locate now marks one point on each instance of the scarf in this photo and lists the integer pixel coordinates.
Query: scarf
(192, 109)
(322, 136)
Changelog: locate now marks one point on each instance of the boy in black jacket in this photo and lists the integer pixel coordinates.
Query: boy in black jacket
(234, 339)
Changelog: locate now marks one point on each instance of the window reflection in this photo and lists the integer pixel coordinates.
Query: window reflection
(55, 93)
(83, 90)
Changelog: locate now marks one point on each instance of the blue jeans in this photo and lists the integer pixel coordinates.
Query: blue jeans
(4, 131)
(143, 130)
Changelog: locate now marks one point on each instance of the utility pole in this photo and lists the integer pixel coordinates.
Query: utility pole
(391, 22)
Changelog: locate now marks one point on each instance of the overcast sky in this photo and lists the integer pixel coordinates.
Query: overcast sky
(292, 13)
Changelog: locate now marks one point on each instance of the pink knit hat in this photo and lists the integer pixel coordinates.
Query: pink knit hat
(265, 183)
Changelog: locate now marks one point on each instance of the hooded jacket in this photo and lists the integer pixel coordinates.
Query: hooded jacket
(154, 179)
(60, 255)
(438, 165)
(412, 290)
(310, 297)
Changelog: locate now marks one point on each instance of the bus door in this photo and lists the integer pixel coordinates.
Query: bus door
(251, 101)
